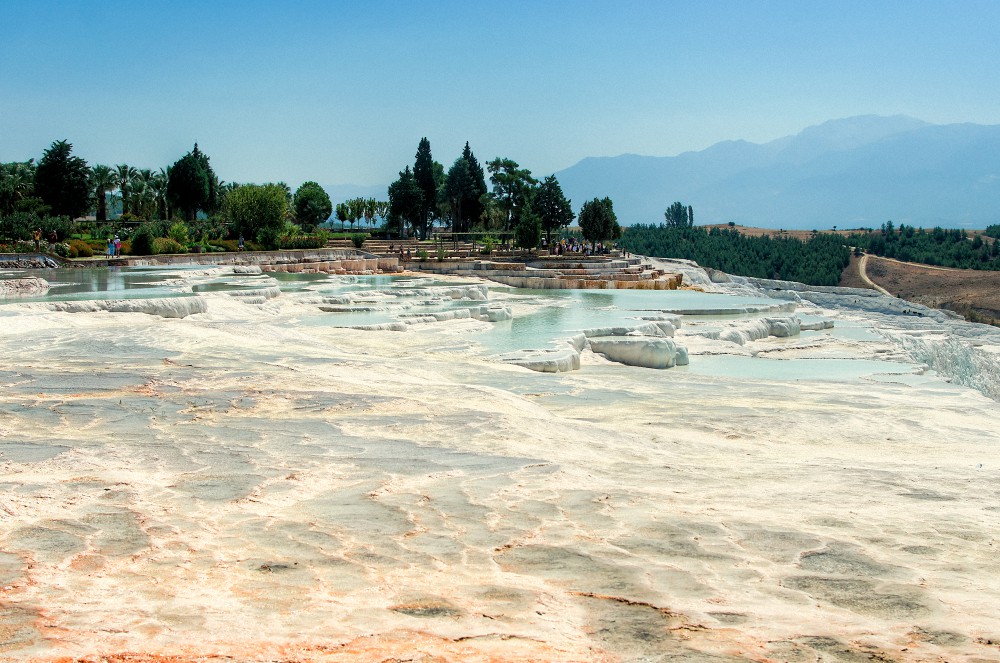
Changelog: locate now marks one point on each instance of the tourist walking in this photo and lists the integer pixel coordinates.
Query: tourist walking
(38, 239)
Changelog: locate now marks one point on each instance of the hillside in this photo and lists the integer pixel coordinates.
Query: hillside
(971, 293)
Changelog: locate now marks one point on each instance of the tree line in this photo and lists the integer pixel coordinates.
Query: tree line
(61, 187)
(817, 261)
(458, 198)
(950, 247)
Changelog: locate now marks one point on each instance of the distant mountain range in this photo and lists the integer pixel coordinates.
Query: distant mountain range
(854, 172)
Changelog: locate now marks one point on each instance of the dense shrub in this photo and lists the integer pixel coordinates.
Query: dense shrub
(358, 239)
(18, 225)
(178, 232)
(142, 241)
(22, 225)
(79, 249)
(225, 244)
(19, 246)
(301, 242)
(167, 245)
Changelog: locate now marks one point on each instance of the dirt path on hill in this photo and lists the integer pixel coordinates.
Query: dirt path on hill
(863, 273)
(972, 293)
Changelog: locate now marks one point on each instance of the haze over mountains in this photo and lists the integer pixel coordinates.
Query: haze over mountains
(853, 172)
(850, 173)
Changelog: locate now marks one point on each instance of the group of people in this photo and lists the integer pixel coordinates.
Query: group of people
(114, 247)
(53, 238)
(573, 245)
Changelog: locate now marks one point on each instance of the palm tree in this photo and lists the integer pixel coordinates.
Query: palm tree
(158, 184)
(17, 182)
(143, 198)
(124, 175)
(102, 180)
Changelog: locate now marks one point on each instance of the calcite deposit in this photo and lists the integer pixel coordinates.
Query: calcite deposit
(260, 479)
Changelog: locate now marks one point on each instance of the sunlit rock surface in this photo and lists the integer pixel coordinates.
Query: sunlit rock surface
(260, 480)
(24, 286)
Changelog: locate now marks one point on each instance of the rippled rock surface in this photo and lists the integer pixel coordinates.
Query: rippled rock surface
(262, 480)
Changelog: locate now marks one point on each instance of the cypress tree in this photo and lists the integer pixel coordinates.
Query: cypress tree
(472, 205)
(423, 174)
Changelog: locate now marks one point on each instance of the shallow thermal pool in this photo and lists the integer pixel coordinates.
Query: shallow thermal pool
(541, 318)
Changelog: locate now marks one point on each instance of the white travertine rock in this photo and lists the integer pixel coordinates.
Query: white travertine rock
(545, 361)
(817, 325)
(495, 313)
(578, 342)
(755, 330)
(29, 285)
(384, 326)
(165, 307)
(645, 329)
(257, 293)
(644, 351)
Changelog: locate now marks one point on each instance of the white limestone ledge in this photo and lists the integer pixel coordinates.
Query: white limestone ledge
(644, 351)
(165, 307)
(744, 332)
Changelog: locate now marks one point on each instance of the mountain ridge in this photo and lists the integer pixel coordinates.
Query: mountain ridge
(862, 170)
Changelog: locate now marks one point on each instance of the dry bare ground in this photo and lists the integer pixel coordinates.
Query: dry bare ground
(972, 293)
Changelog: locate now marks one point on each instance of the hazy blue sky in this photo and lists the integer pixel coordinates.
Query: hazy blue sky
(341, 92)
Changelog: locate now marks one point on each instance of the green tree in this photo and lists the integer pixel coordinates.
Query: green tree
(143, 199)
(341, 213)
(17, 187)
(598, 221)
(312, 205)
(458, 189)
(124, 176)
(355, 210)
(528, 231)
(371, 209)
(258, 211)
(158, 186)
(553, 209)
(405, 201)
(62, 181)
(510, 186)
(193, 186)
(474, 204)
(677, 216)
(102, 180)
(423, 174)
